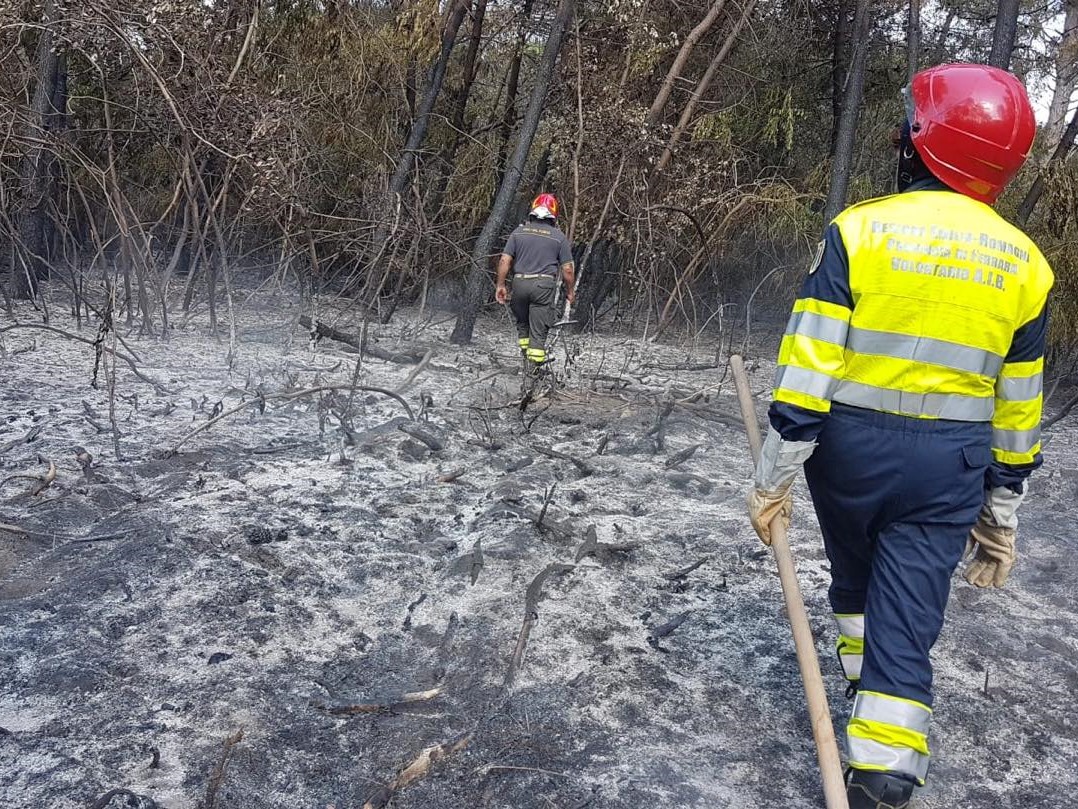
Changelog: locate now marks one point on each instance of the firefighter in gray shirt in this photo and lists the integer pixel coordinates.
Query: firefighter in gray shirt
(536, 252)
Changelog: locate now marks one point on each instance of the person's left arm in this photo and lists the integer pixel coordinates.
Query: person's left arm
(1016, 447)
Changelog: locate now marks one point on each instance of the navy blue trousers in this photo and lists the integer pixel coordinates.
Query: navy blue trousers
(896, 498)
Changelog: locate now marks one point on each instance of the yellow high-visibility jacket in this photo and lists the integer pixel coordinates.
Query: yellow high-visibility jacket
(926, 304)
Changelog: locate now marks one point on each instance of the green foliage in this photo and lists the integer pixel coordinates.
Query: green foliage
(779, 125)
(714, 127)
(307, 129)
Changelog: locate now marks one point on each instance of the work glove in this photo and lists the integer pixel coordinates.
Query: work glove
(765, 505)
(775, 472)
(992, 539)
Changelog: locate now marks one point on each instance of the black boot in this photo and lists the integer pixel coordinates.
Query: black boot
(867, 789)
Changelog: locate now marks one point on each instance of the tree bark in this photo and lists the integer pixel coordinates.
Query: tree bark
(1036, 191)
(1004, 34)
(851, 105)
(913, 40)
(512, 87)
(682, 58)
(416, 137)
(703, 86)
(459, 105)
(36, 175)
(839, 67)
(1066, 73)
(478, 277)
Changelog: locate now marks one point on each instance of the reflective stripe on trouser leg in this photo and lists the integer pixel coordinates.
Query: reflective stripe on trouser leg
(523, 343)
(537, 355)
(851, 644)
(889, 734)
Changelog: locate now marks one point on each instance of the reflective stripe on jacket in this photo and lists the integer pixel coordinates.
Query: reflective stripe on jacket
(930, 305)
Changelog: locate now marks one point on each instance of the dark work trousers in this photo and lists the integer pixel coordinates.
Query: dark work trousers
(896, 498)
(533, 308)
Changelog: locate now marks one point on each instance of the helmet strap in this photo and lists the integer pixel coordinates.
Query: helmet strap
(909, 168)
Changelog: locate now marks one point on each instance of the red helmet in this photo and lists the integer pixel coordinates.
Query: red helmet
(972, 125)
(548, 204)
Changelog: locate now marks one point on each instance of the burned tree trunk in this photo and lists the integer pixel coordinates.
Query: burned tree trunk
(36, 175)
(512, 85)
(415, 140)
(1066, 73)
(682, 58)
(703, 86)
(1004, 34)
(851, 105)
(459, 105)
(1061, 153)
(839, 67)
(478, 280)
(913, 40)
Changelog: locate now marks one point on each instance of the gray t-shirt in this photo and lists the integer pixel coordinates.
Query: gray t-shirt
(538, 248)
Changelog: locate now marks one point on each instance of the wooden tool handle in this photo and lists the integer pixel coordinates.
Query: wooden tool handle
(834, 786)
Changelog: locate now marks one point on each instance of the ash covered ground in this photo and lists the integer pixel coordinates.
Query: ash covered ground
(291, 608)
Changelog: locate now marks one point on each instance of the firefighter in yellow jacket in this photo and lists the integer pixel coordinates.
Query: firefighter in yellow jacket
(909, 387)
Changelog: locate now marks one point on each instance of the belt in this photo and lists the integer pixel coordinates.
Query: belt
(533, 275)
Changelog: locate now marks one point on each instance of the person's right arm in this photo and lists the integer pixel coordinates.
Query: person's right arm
(812, 355)
(810, 365)
(505, 263)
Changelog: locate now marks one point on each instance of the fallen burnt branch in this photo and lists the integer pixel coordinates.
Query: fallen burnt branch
(663, 630)
(709, 412)
(131, 361)
(548, 498)
(684, 366)
(422, 765)
(380, 706)
(535, 517)
(30, 437)
(411, 610)
(685, 571)
(434, 443)
(531, 616)
(217, 777)
(319, 329)
(286, 397)
(584, 468)
(38, 535)
(603, 551)
(657, 431)
(41, 482)
(453, 475)
(423, 363)
(680, 457)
